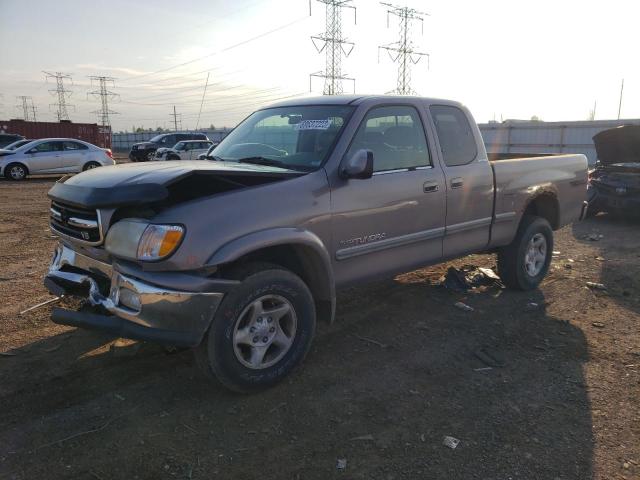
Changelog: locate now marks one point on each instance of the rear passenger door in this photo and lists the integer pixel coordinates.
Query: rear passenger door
(469, 182)
(74, 156)
(393, 221)
(45, 157)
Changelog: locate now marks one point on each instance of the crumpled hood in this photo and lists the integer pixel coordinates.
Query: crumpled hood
(138, 183)
(618, 145)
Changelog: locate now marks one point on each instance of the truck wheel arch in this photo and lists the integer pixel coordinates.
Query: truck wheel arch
(545, 205)
(297, 250)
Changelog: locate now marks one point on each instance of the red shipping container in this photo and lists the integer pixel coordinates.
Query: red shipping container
(89, 132)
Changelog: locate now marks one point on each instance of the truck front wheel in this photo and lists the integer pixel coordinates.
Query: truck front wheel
(524, 262)
(262, 330)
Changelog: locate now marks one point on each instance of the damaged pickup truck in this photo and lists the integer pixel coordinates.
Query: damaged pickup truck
(614, 185)
(239, 256)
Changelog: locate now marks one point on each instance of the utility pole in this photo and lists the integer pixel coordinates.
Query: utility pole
(620, 103)
(61, 93)
(333, 44)
(28, 108)
(402, 51)
(592, 113)
(104, 94)
(175, 118)
(206, 84)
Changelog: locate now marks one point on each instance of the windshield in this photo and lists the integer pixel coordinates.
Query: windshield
(299, 138)
(156, 139)
(179, 146)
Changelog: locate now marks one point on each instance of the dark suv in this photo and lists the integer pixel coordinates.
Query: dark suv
(9, 138)
(141, 152)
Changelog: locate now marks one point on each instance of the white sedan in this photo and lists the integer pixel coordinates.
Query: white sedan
(52, 155)
(184, 150)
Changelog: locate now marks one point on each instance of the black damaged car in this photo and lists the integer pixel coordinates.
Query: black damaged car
(614, 185)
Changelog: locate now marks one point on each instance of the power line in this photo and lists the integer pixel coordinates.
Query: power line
(402, 51)
(226, 49)
(104, 94)
(61, 92)
(333, 44)
(28, 108)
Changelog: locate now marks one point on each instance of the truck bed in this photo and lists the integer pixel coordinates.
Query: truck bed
(518, 179)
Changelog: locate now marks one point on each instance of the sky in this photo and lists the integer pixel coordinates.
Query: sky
(504, 59)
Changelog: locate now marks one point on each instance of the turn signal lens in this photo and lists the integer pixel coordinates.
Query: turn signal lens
(159, 241)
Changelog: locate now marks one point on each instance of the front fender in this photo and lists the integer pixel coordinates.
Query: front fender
(313, 252)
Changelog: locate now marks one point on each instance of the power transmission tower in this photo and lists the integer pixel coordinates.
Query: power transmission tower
(28, 108)
(61, 92)
(402, 51)
(334, 46)
(104, 94)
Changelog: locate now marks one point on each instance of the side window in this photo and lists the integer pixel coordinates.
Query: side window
(396, 137)
(456, 137)
(71, 146)
(46, 147)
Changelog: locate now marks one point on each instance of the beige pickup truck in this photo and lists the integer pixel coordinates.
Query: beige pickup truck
(239, 255)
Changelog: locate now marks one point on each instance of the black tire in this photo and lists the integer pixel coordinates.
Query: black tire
(16, 171)
(218, 355)
(511, 259)
(90, 166)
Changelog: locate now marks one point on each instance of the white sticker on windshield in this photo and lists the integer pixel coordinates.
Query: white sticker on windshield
(313, 124)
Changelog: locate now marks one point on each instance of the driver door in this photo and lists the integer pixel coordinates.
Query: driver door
(45, 157)
(393, 221)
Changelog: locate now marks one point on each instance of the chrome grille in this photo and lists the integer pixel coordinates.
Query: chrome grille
(80, 224)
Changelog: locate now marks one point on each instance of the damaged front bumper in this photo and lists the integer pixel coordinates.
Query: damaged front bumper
(132, 308)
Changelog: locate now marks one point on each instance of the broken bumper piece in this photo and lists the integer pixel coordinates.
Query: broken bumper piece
(133, 308)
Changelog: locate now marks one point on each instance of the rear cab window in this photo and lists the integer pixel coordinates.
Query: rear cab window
(457, 143)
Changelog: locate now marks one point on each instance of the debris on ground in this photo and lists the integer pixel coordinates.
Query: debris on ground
(124, 347)
(467, 277)
(450, 442)
(341, 464)
(7, 354)
(489, 358)
(366, 438)
(598, 324)
(531, 306)
(41, 304)
(372, 341)
(594, 237)
(555, 253)
(463, 306)
(600, 259)
(596, 286)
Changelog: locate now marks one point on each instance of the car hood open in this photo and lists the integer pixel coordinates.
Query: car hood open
(618, 145)
(136, 184)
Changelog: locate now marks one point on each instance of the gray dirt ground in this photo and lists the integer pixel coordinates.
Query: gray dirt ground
(380, 388)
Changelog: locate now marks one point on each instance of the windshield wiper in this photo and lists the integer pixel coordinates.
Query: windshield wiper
(264, 161)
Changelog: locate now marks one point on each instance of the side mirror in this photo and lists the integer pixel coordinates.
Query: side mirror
(359, 165)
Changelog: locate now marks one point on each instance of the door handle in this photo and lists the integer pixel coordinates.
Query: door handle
(428, 187)
(456, 182)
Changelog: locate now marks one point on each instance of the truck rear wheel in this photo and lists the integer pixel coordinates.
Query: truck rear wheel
(524, 263)
(262, 330)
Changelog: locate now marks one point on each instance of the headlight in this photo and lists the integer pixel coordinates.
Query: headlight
(138, 240)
